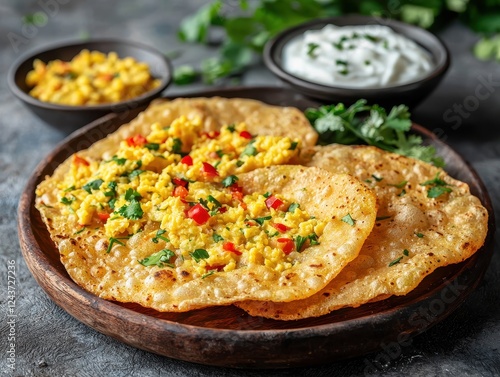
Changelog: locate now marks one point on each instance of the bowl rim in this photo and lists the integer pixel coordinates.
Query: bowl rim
(32, 54)
(275, 46)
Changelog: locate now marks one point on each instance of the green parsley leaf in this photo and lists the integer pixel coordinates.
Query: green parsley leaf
(229, 181)
(348, 219)
(93, 185)
(160, 259)
(199, 254)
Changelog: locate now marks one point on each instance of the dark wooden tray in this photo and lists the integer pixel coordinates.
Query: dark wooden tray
(227, 336)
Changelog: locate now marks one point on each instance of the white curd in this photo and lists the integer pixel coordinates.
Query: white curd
(368, 56)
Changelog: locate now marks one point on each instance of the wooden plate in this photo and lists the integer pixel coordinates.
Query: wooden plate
(227, 336)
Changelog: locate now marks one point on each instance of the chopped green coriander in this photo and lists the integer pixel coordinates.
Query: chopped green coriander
(293, 207)
(93, 185)
(266, 195)
(311, 47)
(249, 150)
(160, 259)
(135, 173)
(152, 146)
(271, 235)
(395, 261)
(378, 179)
(398, 185)
(177, 145)
(406, 252)
(341, 62)
(293, 146)
(348, 219)
(209, 273)
(159, 236)
(81, 230)
(260, 220)
(299, 242)
(382, 218)
(437, 187)
(229, 181)
(131, 194)
(70, 188)
(132, 211)
(231, 128)
(239, 163)
(119, 161)
(113, 240)
(402, 193)
(199, 254)
(68, 201)
(419, 235)
(313, 239)
(217, 238)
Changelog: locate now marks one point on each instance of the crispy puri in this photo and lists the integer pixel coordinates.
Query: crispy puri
(425, 220)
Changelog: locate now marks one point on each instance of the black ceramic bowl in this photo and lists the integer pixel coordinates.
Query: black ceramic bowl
(410, 94)
(72, 117)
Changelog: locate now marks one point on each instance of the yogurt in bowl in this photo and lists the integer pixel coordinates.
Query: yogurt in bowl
(368, 56)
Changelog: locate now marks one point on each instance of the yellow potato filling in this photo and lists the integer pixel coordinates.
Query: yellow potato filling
(90, 78)
(185, 182)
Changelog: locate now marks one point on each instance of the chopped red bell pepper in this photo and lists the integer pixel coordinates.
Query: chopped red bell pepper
(199, 214)
(181, 192)
(211, 134)
(180, 182)
(273, 202)
(229, 246)
(246, 135)
(209, 170)
(187, 160)
(282, 228)
(103, 216)
(218, 267)
(136, 141)
(286, 245)
(77, 160)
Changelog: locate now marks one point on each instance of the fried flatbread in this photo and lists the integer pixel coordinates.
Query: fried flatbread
(414, 234)
(117, 274)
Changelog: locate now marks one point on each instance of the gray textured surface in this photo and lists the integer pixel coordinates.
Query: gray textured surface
(49, 342)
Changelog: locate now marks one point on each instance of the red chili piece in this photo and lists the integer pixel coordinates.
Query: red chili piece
(187, 160)
(77, 160)
(136, 141)
(180, 191)
(287, 246)
(180, 182)
(273, 202)
(246, 135)
(282, 228)
(209, 170)
(103, 216)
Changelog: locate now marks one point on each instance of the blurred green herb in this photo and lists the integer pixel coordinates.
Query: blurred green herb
(370, 124)
(247, 26)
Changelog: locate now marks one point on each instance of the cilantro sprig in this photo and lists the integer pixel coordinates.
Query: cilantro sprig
(361, 123)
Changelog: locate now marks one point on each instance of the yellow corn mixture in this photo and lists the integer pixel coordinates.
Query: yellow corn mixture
(185, 181)
(90, 78)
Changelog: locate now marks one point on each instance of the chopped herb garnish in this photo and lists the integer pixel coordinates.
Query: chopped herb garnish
(293, 146)
(267, 195)
(93, 185)
(419, 235)
(111, 203)
(260, 220)
(311, 47)
(249, 150)
(199, 254)
(437, 187)
(81, 230)
(70, 188)
(152, 146)
(131, 194)
(271, 234)
(135, 173)
(341, 62)
(119, 161)
(348, 219)
(160, 259)
(313, 239)
(159, 236)
(67, 201)
(398, 185)
(209, 273)
(177, 145)
(231, 128)
(406, 252)
(293, 207)
(372, 38)
(378, 179)
(239, 163)
(113, 240)
(395, 261)
(217, 238)
(132, 211)
(382, 218)
(403, 192)
(112, 189)
(220, 153)
(229, 181)
(299, 242)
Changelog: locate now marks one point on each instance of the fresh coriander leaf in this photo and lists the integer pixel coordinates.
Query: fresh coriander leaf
(311, 48)
(177, 145)
(119, 161)
(184, 74)
(152, 146)
(378, 179)
(160, 259)
(231, 128)
(437, 191)
(131, 194)
(93, 185)
(249, 150)
(313, 239)
(67, 201)
(195, 28)
(159, 236)
(398, 185)
(229, 181)
(132, 211)
(299, 242)
(348, 219)
(199, 254)
(217, 238)
(419, 235)
(266, 195)
(261, 220)
(113, 240)
(292, 207)
(135, 173)
(395, 261)
(81, 230)
(209, 273)
(71, 188)
(293, 145)
(239, 163)
(406, 252)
